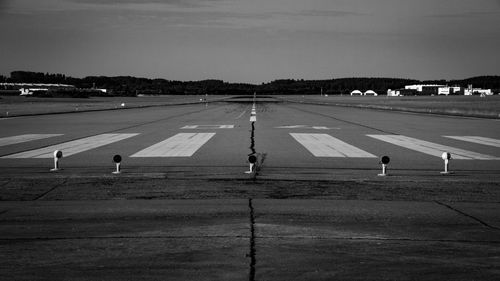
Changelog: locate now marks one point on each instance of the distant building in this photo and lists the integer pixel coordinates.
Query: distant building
(393, 93)
(425, 89)
(28, 89)
(438, 90)
(469, 91)
(356, 93)
(370, 93)
(401, 92)
(485, 92)
(451, 90)
(422, 87)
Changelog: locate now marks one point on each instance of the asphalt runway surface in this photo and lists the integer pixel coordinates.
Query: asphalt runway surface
(184, 208)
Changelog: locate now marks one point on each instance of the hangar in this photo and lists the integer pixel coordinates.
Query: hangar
(370, 93)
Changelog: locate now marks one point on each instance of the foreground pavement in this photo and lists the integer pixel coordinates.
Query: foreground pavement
(302, 216)
(125, 229)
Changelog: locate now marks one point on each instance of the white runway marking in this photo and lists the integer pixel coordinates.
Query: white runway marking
(323, 145)
(253, 114)
(208, 127)
(241, 115)
(25, 138)
(479, 140)
(180, 145)
(431, 148)
(306, 127)
(72, 147)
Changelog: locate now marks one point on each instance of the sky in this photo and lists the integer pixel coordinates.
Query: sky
(252, 41)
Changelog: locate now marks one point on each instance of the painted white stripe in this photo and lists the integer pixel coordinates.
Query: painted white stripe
(208, 127)
(180, 145)
(253, 118)
(479, 140)
(72, 147)
(431, 148)
(306, 127)
(243, 113)
(25, 138)
(323, 145)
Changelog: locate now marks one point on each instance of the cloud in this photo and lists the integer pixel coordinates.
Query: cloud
(328, 13)
(180, 3)
(206, 19)
(3, 5)
(465, 14)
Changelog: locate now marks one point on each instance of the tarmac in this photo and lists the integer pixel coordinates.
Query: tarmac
(208, 229)
(300, 217)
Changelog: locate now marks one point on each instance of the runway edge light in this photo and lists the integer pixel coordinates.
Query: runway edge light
(252, 159)
(446, 156)
(384, 161)
(117, 159)
(57, 155)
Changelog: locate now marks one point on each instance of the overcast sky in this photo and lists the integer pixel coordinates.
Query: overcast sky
(252, 40)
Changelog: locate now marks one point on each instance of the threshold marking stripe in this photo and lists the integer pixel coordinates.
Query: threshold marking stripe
(180, 145)
(323, 145)
(479, 140)
(25, 138)
(241, 115)
(208, 127)
(72, 147)
(431, 148)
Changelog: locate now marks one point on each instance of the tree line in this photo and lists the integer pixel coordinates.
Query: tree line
(132, 86)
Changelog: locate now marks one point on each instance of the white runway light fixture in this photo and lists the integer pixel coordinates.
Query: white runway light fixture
(117, 159)
(252, 159)
(57, 155)
(384, 161)
(446, 157)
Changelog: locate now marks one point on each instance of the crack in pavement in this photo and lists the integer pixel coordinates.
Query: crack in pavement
(467, 215)
(50, 190)
(252, 254)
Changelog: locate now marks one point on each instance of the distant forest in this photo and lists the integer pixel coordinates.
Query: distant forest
(132, 86)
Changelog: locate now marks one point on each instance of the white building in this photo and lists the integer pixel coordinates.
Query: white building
(450, 90)
(438, 89)
(370, 93)
(419, 88)
(356, 93)
(30, 91)
(393, 93)
(477, 91)
(464, 91)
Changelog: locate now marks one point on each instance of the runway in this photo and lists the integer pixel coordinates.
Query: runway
(184, 206)
(285, 136)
